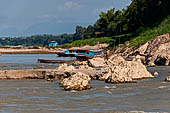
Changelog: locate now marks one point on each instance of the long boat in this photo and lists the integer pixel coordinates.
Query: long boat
(80, 53)
(57, 61)
(67, 53)
(85, 54)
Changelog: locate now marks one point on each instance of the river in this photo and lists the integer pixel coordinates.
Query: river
(40, 96)
(28, 61)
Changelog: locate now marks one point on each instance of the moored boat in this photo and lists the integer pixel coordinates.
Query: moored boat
(85, 54)
(56, 61)
(66, 53)
(80, 53)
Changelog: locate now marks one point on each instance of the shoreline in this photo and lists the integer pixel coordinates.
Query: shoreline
(27, 51)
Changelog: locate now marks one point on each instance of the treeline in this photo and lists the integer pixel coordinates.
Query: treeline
(139, 14)
(37, 40)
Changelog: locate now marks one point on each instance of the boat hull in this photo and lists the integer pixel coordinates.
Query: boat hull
(83, 57)
(57, 61)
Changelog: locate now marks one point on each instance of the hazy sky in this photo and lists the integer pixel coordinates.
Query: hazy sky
(31, 17)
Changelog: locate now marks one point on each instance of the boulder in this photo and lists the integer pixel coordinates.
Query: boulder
(156, 74)
(97, 62)
(167, 79)
(154, 52)
(106, 73)
(80, 63)
(162, 59)
(78, 81)
(143, 48)
(154, 44)
(64, 67)
(119, 79)
(114, 60)
(84, 67)
(159, 59)
(121, 71)
(55, 75)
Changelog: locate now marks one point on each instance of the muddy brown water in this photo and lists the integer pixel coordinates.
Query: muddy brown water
(40, 96)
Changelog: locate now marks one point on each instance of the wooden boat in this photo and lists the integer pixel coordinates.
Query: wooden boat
(85, 54)
(57, 61)
(67, 53)
(81, 53)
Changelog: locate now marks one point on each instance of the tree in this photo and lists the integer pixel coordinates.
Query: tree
(79, 33)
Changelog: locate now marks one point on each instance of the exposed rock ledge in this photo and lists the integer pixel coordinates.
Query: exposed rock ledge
(25, 74)
(114, 70)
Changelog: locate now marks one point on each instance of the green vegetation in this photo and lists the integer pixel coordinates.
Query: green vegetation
(91, 42)
(151, 33)
(37, 40)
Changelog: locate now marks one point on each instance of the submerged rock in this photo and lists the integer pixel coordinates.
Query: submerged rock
(156, 74)
(167, 79)
(78, 81)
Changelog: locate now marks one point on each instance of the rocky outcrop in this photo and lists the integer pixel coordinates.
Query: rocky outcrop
(167, 79)
(143, 48)
(97, 46)
(97, 62)
(159, 59)
(120, 71)
(65, 67)
(158, 51)
(25, 74)
(154, 52)
(80, 63)
(84, 67)
(78, 81)
(154, 44)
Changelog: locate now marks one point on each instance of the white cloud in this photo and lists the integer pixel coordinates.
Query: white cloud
(72, 5)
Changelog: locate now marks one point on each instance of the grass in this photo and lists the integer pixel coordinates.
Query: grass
(142, 35)
(148, 34)
(91, 42)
